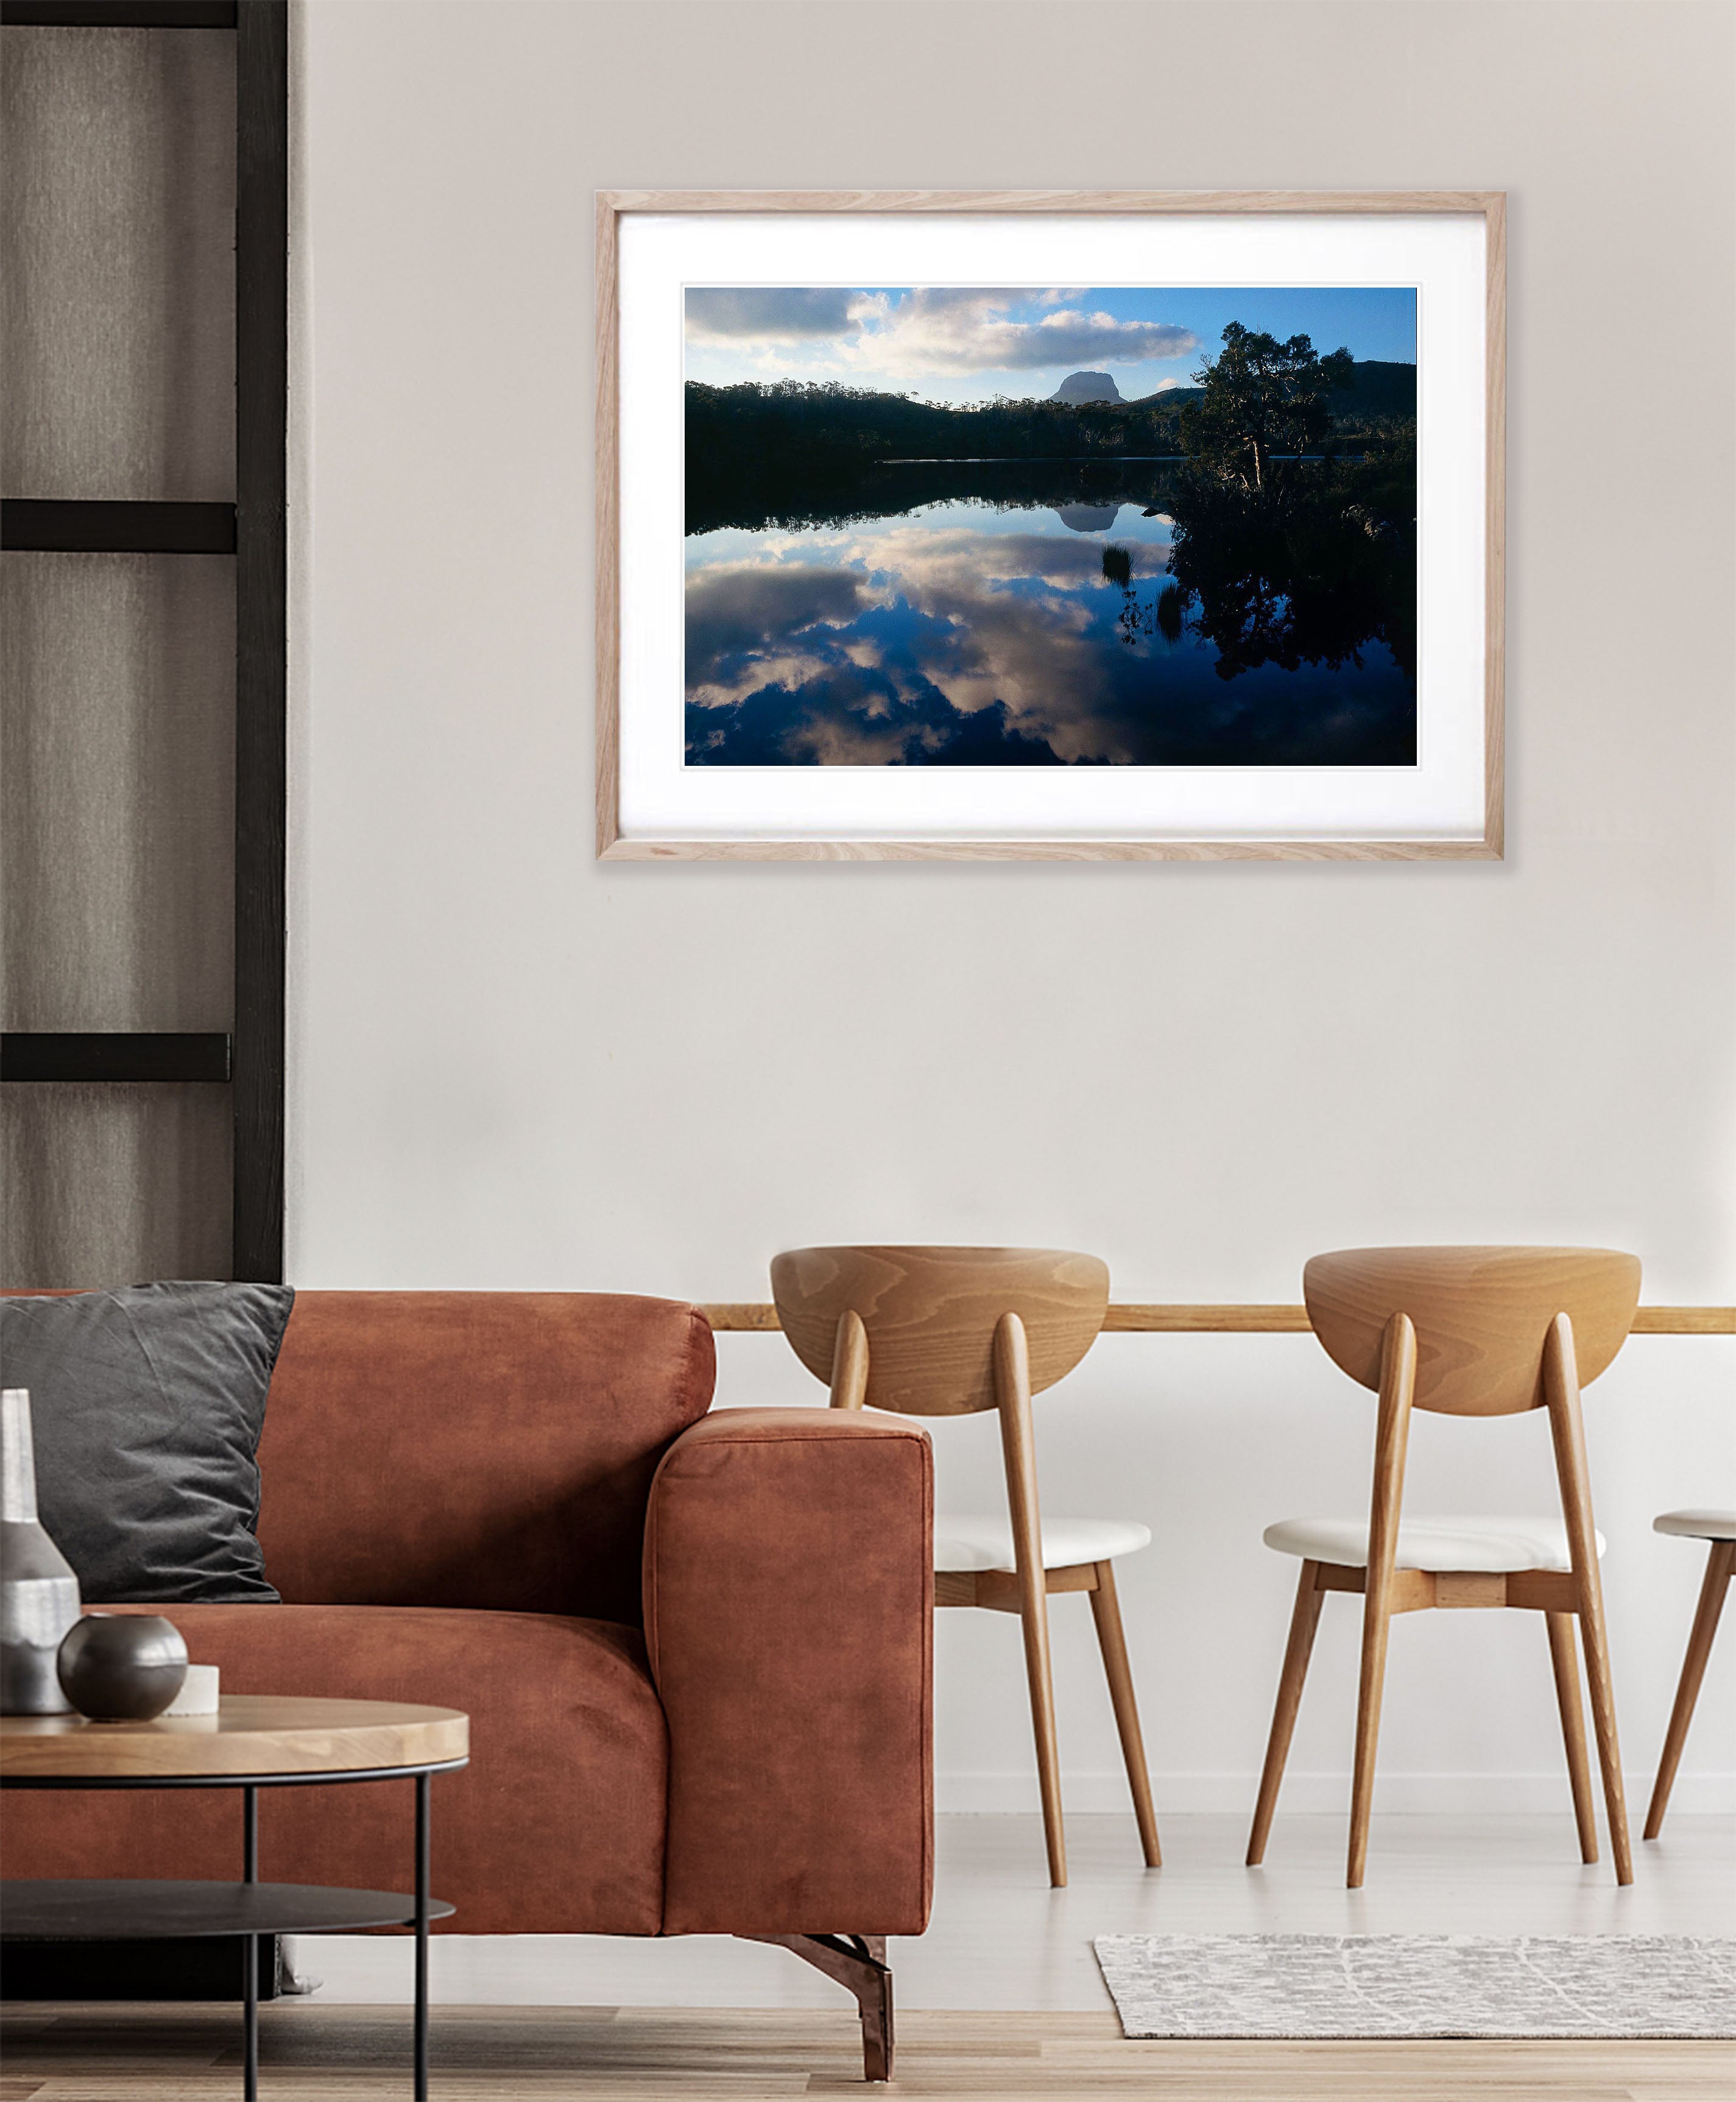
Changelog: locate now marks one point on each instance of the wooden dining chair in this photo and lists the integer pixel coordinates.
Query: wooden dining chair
(1465, 1332)
(1718, 1528)
(951, 1331)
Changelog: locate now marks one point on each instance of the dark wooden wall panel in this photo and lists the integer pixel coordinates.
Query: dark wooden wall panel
(113, 1185)
(118, 263)
(116, 791)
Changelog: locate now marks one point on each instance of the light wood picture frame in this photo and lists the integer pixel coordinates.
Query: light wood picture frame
(750, 253)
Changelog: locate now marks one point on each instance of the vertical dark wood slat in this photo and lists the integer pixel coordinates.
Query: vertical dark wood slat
(262, 614)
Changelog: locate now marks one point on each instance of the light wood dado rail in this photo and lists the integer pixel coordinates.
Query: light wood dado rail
(1131, 1317)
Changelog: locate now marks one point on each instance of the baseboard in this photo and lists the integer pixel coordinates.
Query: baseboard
(1440, 1794)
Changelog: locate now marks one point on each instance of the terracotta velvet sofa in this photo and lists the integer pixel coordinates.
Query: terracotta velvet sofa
(694, 1647)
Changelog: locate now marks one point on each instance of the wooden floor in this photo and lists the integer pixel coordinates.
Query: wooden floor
(575, 2019)
(351, 2054)
(1000, 1939)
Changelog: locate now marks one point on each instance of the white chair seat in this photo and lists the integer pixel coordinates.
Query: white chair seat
(1698, 1525)
(1490, 1545)
(986, 1543)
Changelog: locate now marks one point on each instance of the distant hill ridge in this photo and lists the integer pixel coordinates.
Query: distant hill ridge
(1379, 388)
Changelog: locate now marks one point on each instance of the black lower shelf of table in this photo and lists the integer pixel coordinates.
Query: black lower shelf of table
(91, 1908)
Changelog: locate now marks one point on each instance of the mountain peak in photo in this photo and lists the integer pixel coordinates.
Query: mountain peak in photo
(1086, 387)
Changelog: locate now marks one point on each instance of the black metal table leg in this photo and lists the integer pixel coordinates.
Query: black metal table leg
(250, 1951)
(424, 1783)
(213, 1911)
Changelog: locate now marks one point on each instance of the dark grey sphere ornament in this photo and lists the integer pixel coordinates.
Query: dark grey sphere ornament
(122, 1667)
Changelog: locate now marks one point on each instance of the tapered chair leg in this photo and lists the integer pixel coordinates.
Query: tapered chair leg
(1019, 1453)
(1376, 1620)
(1609, 1748)
(1106, 1609)
(1036, 1625)
(1391, 1433)
(1719, 1566)
(1303, 1622)
(1567, 1698)
(1567, 1431)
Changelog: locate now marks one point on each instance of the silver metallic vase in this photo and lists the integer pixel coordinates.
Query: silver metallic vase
(38, 1592)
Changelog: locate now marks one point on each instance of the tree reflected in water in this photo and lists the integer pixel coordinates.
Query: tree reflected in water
(1309, 573)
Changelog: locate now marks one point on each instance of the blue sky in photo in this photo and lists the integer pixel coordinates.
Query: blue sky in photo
(969, 343)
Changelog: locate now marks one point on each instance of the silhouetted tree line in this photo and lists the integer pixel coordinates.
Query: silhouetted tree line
(753, 427)
(786, 453)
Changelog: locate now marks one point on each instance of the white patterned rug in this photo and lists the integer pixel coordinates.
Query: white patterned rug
(1248, 1985)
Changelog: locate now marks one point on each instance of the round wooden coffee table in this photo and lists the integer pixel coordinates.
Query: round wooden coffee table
(254, 1741)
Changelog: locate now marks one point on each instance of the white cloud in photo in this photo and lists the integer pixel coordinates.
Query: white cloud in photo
(934, 331)
(930, 331)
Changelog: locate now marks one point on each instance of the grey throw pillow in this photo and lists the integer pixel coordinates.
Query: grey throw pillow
(146, 1404)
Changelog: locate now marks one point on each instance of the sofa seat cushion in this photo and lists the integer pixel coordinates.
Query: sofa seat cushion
(556, 1827)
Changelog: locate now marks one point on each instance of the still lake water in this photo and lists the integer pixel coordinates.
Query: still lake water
(973, 630)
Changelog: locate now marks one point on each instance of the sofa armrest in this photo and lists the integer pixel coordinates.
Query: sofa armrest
(789, 1608)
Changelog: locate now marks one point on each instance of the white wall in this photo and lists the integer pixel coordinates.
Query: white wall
(510, 1066)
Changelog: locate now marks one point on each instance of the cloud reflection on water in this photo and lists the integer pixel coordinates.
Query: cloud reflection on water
(968, 634)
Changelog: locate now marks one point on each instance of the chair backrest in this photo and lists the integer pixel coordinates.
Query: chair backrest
(1481, 1316)
(930, 1315)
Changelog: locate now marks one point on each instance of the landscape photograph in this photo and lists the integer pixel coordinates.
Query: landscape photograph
(1115, 525)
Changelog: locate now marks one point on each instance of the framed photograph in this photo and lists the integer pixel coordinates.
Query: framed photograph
(1057, 526)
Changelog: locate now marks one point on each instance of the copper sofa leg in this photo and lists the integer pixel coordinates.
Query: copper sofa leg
(859, 1961)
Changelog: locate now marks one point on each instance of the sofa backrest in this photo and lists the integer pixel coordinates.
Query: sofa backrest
(473, 1448)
